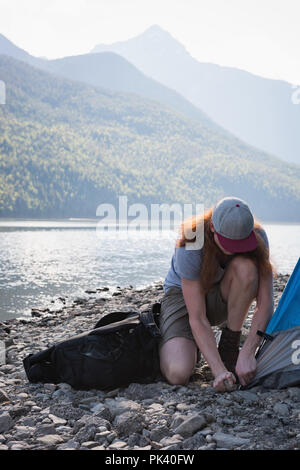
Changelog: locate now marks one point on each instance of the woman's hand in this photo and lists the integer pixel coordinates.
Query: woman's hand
(245, 367)
(224, 382)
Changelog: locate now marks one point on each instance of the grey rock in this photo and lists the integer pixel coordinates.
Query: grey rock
(159, 432)
(28, 421)
(246, 396)
(63, 430)
(102, 411)
(228, 421)
(111, 437)
(118, 445)
(156, 408)
(20, 446)
(69, 445)
(177, 419)
(18, 411)
(89, 444)
(86, 433)
(23, 432)
(281, 409)
(50, 388)
(210, 446)
(66, 388)
(89, 400)
(172, 440)
(45, 429)
(6, 422)
(88, 420)
(66, 412)
(50, 440)
(128, 423)
(58, 394)
(7, 368)
(223, 402)
(4, 397)
(56, 420)
(101, 437)
(134, 439)
(182, 407)
(194, 442)
(117, 407)
(36, 408)
(143, 391)
(29, 403)
(190, 425)
(228, 441)
(294, 394)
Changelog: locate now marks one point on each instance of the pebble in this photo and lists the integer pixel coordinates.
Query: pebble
(50, 439)
(228, 441)
(5, 422)
(117, 445)
(281, 409)
(89, 444)
(57, 420)
(190, 425)
(4, 397)
(70, 445)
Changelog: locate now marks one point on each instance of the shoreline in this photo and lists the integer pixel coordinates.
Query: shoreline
(155, 416)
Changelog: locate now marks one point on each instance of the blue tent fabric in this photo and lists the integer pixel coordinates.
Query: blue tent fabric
(287, 313)
(278, 359)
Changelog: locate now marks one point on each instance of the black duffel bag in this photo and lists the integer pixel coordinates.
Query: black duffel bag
(121, 349)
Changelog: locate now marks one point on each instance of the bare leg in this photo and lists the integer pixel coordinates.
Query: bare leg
(178, 357)
(239, 288)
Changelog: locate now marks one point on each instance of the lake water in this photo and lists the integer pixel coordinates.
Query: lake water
(43, 260)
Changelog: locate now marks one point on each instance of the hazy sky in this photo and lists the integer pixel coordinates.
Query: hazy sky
(261, 36)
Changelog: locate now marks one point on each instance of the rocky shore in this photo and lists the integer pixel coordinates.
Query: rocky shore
(155, 416)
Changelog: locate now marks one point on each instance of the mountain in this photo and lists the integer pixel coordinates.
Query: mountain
(109, 70)
(66, 147)
(9, 48)
(258, 110)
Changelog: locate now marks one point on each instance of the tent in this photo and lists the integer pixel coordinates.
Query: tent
(278, 358)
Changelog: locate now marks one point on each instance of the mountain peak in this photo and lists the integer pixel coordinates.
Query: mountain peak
(153, 38)
(156, 30)
(7, 47)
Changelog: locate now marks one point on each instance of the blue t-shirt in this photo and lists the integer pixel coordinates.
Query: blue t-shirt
(187, 264)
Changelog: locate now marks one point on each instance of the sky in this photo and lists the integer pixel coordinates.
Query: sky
(260, 36)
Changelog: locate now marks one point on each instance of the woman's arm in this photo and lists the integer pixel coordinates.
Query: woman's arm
(246, 364)
(203, 334)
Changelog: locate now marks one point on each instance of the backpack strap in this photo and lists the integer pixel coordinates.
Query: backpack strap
(115, 316)
(149, 319)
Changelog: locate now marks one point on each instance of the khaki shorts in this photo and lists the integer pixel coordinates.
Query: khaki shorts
(174, 319)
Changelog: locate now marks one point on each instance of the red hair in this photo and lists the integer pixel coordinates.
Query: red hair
(211, 251)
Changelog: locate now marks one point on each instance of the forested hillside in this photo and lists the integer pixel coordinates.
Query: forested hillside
(66, 147)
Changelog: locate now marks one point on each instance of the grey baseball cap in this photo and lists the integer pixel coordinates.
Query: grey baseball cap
(234, 225)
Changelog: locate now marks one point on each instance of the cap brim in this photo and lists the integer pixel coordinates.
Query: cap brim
(238, 246)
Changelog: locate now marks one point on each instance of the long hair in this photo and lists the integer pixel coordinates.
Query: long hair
(211, 251)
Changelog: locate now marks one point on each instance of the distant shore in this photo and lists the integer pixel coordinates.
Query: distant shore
(152, 416)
